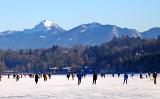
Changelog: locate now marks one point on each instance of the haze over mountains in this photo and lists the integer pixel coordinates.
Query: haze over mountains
(46, 33)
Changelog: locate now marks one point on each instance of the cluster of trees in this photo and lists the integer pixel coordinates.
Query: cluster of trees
(119, 55)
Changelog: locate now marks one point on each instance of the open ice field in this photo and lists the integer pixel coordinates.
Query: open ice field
(60, 88)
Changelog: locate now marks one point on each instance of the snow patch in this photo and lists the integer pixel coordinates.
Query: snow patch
(47, 23)
(84, 28)
(42, 36)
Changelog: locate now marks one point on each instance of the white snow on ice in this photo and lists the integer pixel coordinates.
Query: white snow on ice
(60, 88)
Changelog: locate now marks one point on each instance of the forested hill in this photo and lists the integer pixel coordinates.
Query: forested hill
(119, 55)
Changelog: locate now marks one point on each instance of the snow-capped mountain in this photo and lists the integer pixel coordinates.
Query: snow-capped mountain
(45, 26)
(46, 34)
(41, 36)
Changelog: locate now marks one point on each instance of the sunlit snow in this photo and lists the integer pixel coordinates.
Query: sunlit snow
(60, 88)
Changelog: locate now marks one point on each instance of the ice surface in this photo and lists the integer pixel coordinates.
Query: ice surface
(60, 88)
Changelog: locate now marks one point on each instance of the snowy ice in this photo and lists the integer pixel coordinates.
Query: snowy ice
(60, 88)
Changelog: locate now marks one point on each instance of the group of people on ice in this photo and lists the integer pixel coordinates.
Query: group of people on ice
(125, 81)
(154, 75)
(80, 76)
(45, 77)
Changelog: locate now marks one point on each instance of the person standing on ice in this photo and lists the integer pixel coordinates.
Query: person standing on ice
(113, 75)
(49, 75)
(141, 77)
(8, 76)
(45, 77)
(149, 74)
(73, 76)
(94, 78)
(125, 78)
(155, 77)
(79, 76)
(68, 75)
(119, 74)
(132, 74)
(14, 76)
(36, 78)
(17, 77)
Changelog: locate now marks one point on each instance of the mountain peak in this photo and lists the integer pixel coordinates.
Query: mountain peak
(47, 23)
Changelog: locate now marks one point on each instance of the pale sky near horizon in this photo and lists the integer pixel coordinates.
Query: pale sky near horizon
(23, 14)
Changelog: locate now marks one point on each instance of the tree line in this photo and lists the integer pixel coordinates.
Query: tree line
(123, 54)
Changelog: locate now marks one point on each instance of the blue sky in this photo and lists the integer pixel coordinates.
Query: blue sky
(21, 14)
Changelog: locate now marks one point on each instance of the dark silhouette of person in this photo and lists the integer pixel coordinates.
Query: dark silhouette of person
(17, 77)
(73, 76)
(68, 75)
(132, 74)
(84, 75)
(149, 74)
(8, 76)
(155, 77)
(36, 78)
(113, 75)
(14, 75)
(79, 76)
(45, 77)
(49, 75)
(119, 74)
(104, 75)
(125, 78)
(101, 75)
(141, 77)
(94, 78)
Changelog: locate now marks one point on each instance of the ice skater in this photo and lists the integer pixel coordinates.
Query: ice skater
(132, 74)
(45, 77)
(8, 76)
(149, 74)
(79, 76)
(68, 75)
(94, 78)
(102, 75)
(84, 75)
(73, 76)
(119, 74)
(113, 75)
(141, 77)
(17, 77)
(36, 78)
(14, 76)
(49, 75)
(155, 77)
(125, 78)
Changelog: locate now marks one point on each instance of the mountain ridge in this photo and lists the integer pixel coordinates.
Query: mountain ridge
(46, 33)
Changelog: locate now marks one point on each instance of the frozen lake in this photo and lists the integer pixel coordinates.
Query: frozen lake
(60, 88)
